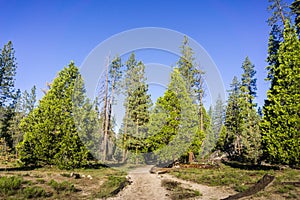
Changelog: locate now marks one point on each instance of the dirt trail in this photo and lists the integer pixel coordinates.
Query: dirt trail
(146, 186)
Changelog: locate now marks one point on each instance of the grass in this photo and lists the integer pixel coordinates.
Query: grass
(225, 176)
(52, 183)
(241, 179)
(64, 186)
(111, 185)
(10, 185)
(179, 192)
(35, 192)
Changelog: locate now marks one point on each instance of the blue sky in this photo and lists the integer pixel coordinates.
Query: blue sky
(47, 35)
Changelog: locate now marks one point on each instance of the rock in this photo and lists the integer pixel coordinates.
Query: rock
(90, 177)
(75, 175)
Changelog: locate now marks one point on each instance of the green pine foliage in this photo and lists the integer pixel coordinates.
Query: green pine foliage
(242, 141)
(209, 141)
(8, 93)
(173, 128)
(50, 133)
(186, 65)
(281, 122)
(295, 7)
(137, 104)
(251, 138)
(233, 120)
(217, 117)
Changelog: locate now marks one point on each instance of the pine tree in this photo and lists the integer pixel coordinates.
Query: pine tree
(280, 13)
(220, 145)
(8, 94)
(24, 105)
(251, 139)
(295, 7)
(233, 121)
(194, 80)
(186, 65)
(280, 126)
(173, 128)
(8, 67)
(50, 134)
(209, 139)
(137, 104)
(217, 117)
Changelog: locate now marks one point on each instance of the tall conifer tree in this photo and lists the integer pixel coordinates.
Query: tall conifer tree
(281, 121)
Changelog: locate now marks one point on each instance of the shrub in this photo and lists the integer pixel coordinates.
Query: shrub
(34, 192)
(63, 186)
(10, 185)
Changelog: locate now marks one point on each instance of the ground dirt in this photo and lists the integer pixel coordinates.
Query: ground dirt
(146, 186)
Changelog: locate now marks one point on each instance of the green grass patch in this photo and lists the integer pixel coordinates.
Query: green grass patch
(179, 192)
(35, 192)
(40, 181)
(242, 179)
(110, 185)
(10, 185)
(64, 186)
(225, 176)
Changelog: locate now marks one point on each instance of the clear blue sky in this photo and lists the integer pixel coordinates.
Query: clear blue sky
(48, 34)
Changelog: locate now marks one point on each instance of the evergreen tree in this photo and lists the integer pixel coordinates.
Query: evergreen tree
(194, 81)
(8, 94)
(50, 134)
(209, 139)
(173, 128)
(280, 126)
(8, 67)
(295, 7)
(251, 138)
(137, 104)
(280, 13)
(233, 121)
(186, 65)
(25, 103)
(220, 145)
(217, 117)
(273, 45)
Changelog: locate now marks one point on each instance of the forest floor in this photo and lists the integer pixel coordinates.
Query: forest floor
(179, 183)
(209, 184)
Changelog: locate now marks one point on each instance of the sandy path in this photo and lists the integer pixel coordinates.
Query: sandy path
(146, 186)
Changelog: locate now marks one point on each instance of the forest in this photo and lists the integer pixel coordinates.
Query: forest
(68, 130)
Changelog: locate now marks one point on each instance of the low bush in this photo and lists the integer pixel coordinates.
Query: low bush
(63, 186)
(10, 185)
(34, 192)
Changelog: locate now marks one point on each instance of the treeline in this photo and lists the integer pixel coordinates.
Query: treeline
(273, 134)
(67, 129)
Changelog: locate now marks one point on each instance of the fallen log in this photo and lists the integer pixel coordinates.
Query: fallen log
(260, 185)
(158, 170)
(296, 184)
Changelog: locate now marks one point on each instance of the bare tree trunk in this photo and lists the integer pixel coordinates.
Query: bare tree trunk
(136, 147)
(125, 136)
(105, 110)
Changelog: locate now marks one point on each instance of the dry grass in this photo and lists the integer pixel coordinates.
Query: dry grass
(52, 183)
(241, 179)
